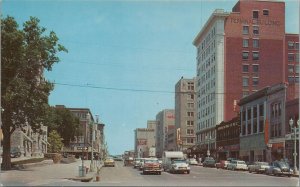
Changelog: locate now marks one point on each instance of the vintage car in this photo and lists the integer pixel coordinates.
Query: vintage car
(237, 165)
(222, 164)
(179, 166)
(278, 168)
(136, 162)
(192, 161)
(209, 162)
(152, 165)
(109, 161)
(258, 167)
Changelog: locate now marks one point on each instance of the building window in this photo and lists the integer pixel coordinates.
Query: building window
(290, 57)
(297, 57)
(245, 68)
(190, 123)
(245, 55)
(191, 96)
(255, 14)
(255, 81)
(255, 30)
(265, 12)
(261, 110)
(190, 105)
(255, 55)
(291, 79)
(190, 140)
(190, 114)
(296, 45)
(254, 126)
(190, 131)
(290, 45)
(297, 68)
(255, 112)
(255, 43)
(261, 125)
(245, 42)
(190, 86)
(245, 29)
(255, 68)
(291, 68)
(245, 81)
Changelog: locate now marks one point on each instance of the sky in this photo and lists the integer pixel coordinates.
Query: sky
(124, 57)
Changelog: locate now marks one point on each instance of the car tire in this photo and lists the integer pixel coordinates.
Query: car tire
(159, 173)
(249, 171)
(188, 172)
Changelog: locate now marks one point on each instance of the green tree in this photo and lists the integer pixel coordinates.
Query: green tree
(25, 54)
(64, 122)
(55, 142)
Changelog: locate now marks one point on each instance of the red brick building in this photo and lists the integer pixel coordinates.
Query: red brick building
(238, 53)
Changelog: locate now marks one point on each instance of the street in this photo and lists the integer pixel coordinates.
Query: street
(58, 174)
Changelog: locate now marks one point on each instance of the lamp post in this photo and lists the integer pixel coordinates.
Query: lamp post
(92, 152)
(208, 150)
(294, 128)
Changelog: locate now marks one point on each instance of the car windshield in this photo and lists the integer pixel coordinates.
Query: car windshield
(151, 161)
(241, 162)
(263, 163)
(283, 164)
(179, 161)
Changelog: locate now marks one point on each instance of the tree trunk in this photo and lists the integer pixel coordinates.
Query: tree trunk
(6, 162)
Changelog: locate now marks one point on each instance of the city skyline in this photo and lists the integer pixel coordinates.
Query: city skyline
(125, 57)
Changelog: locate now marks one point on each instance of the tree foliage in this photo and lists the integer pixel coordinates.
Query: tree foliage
(55, 142)
(64, 122)
(25, 54)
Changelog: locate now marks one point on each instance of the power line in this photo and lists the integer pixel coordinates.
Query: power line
(136, 90)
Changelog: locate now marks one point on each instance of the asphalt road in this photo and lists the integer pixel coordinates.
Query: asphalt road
(56, 174)
(199, 176)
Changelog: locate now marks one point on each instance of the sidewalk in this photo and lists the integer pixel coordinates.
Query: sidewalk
(90, 176)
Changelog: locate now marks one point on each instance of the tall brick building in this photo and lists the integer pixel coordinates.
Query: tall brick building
(238, 53)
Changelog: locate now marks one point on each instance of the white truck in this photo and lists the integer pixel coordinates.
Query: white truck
(174, 160)
(152, 152)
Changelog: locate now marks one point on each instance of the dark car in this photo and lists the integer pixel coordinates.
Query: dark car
(15, 152)
(209, 162)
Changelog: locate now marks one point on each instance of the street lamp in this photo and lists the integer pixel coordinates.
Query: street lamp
(208, 150)
(294, 128)
(92, 153)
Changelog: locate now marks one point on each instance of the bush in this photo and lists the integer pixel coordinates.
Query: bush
(56, 157)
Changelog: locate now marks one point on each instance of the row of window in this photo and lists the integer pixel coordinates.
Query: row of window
(293, 57)
(255, 13)
(206, 100)
(293, 45)
(207, 136)
(254, 68)
(255, 29)
(246, 81)
(256, 111)
(255, 43)
(255, 55)
(207, 123)
(293, 79)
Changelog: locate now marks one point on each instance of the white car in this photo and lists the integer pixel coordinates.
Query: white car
(179, 165)
(237, 165)
(192, 161)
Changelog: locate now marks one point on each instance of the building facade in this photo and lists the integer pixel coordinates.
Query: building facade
(143, 141)
(234, 52)
(30, 143)
(185, 113)
(228, 139)
(165, 119)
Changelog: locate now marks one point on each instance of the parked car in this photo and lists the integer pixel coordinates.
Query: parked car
(192, 161)
(109, 161)
(258, 167)
(222, 164)
(237, 165)
(279, 168)
(179, 166)
(15, 152)
(152, 165)
(209, 162)
(136, 162)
